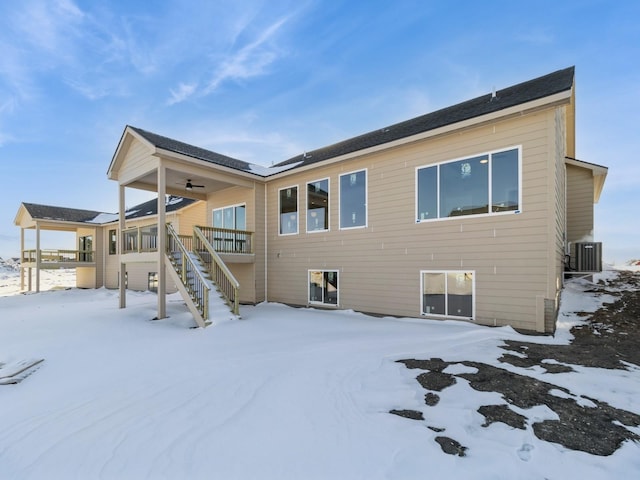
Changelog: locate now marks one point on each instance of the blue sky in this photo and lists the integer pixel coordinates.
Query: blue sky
(265, 80)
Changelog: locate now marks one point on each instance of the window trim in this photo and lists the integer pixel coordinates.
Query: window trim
(323, 271)
(328, 179)
(297, 211)
(366, 199)
(233, 205)
(446, 316)
(488, 153)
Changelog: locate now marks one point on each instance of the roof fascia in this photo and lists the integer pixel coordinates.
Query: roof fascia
(556, 99)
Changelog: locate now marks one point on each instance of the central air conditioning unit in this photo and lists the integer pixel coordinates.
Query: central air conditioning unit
(588, 256)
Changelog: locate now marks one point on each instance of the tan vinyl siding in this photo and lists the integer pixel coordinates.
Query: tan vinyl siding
(137, 162)
(579, 204)
(244, 273)
(379, 266)
(189, 217)
(259, 244)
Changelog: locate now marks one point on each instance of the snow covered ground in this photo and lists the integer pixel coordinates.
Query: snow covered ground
(282, 394)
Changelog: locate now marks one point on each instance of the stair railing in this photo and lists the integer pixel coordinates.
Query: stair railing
(188, 271)
(220, 273)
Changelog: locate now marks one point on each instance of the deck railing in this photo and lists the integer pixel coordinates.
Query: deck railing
(221, 275)
(226, 240)
(58, 256)
(190, 275)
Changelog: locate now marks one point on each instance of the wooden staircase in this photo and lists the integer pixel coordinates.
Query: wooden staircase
(204, 281)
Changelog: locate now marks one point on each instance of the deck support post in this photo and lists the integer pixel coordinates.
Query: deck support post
(162, 241)
(38, 257)
(21, 259)
(123, 268)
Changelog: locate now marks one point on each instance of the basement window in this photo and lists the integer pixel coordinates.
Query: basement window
(323, 287)
(448, 293)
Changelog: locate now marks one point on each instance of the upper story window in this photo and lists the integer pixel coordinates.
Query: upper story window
(353, 199)
(485, 184)
(318, 205)
(233, 217)
(288, 198)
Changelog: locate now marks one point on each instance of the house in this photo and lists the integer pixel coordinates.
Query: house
(96, 260)
(474, 212)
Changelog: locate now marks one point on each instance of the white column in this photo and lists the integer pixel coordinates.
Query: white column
(119, 240)
(21, 258)
(38, 257)
(162, 241)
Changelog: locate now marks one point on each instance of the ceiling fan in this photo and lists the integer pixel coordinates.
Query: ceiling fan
(190, 186)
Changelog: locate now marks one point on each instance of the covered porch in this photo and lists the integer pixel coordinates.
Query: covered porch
(146, 161)
(34, 259)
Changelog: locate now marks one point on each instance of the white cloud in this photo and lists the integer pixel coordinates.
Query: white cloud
(49, 26)
(183, 92)
(250, 61)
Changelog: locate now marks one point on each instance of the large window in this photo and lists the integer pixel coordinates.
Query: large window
(485, 184)
(353, 199)
(447, 293)
(233, 217)
(323, 287)
(288, 198)
(318, 205)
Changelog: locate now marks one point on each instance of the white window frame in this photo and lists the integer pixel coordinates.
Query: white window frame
(306, 203)
(234, 218)
(489, 153)
(446, 303)
(366, 199)
(323, 271)
(297, 211)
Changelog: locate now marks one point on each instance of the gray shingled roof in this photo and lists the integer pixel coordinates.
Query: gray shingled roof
(63, 214)
(151, 207)
(75, 215)
(541, 87)
(191, 151)
(547, 85)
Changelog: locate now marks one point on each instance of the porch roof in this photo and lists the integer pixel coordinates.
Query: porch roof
(52, 213)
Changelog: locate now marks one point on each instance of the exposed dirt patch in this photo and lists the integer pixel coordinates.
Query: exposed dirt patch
(609, 339)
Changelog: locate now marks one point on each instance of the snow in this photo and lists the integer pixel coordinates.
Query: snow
(283, 393)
